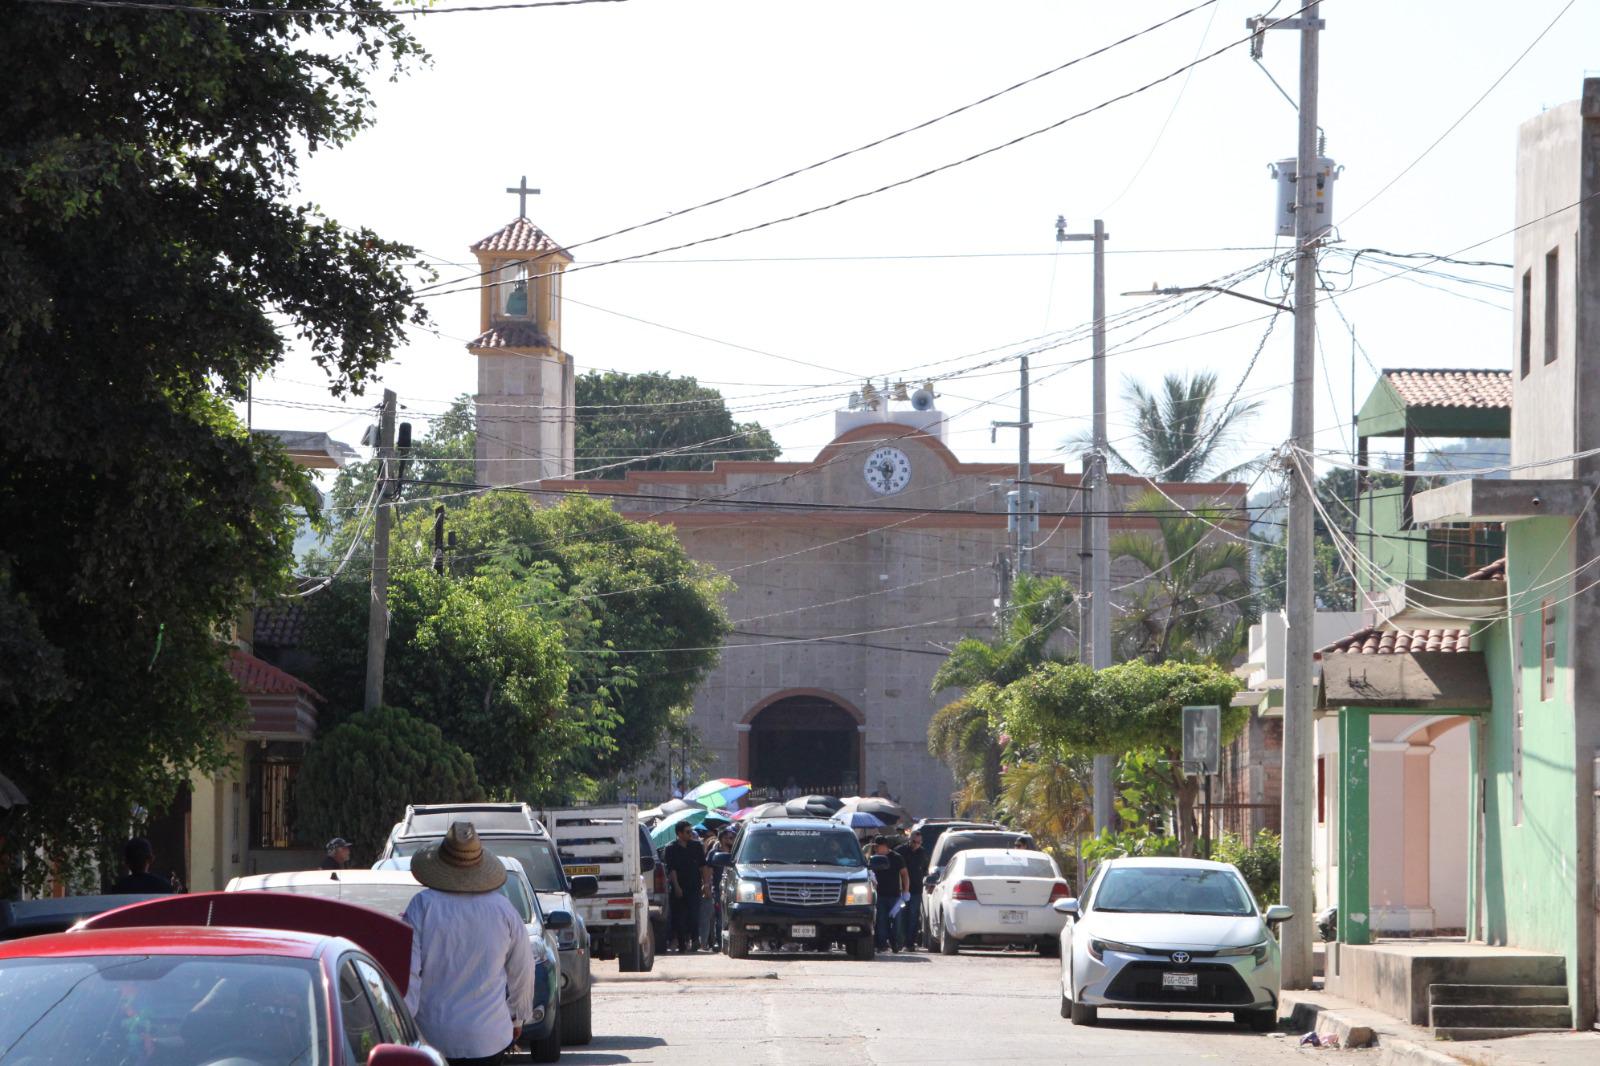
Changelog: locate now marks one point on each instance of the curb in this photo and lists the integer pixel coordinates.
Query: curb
(1309, 1016)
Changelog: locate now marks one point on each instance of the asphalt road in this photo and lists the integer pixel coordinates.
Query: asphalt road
(800, 1010)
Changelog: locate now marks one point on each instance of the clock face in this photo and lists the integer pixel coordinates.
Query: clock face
(887, 471)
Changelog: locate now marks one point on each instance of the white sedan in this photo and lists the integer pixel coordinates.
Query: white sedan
(1170, 935)
(997, 896)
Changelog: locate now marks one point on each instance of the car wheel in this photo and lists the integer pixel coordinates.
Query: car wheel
(549, 1048)
(1049, 947)
(948, 945)
(628, 955)
(738, 945)
(1259, 1021)
(864, 950)
(1066, 1006)
(577, 1026)
(1082, 1015)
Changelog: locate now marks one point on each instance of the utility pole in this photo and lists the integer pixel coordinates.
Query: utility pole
(1026, 514)
(1098, 524)
(378, 608)
(1299, 597)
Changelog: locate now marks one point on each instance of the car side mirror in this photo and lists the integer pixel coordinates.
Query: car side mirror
(878, 862)
(1277, 914)
(400, 1055)
(647, 863)
(929, 881)
(583, 886)
(558, 920)
(1069, 907)
(721, 859)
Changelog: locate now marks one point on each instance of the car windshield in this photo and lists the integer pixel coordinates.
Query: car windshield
(1173, 890)
(825, 847)
(122, 1010)
(1010, 864)
(538, 858)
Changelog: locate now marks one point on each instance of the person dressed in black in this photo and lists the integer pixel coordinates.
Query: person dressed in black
(138, 854)
(915, 857)
(338, 857)
(724, 845)
(689, 880)
(892, 884)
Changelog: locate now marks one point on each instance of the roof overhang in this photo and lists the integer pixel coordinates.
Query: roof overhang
(1250, 698)
(1499, 500)
(1452, 602)
(1432, 680)
(313, 450)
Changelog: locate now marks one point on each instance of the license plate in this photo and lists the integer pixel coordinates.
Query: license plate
(803, 932)
(1013, 917)
(1180, 980)
(579, 871)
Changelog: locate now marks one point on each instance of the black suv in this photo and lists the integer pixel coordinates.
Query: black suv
(801, 881)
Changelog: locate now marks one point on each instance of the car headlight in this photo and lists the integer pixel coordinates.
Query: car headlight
(750, 892)
(858, 893)
(1098, 948)
(1258, 950)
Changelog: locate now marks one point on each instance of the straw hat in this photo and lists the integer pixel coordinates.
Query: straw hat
(458, 863)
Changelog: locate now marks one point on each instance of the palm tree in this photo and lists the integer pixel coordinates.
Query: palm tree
(1196, 591)
(1180, 433)
(959, 733)
(1050, 795)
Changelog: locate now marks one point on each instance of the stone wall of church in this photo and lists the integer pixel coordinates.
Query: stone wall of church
(525, 424)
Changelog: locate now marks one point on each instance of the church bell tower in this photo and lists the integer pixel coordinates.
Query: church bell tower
(525, 391)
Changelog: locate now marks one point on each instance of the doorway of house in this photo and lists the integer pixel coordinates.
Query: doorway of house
(805, 744)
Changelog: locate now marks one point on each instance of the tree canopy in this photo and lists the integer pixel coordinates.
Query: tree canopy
(1182, 431)
(151, 263)
(654, 421)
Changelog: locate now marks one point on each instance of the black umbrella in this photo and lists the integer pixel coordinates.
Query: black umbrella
(672, 806)
(887, 810)
(823, 806)
(766, 810)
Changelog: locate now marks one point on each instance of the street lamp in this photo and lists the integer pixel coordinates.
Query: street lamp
(1178, 290)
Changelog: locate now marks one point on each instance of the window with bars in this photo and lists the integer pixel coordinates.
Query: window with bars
(271, 809)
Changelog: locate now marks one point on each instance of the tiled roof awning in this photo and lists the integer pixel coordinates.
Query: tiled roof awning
(281, 705)
(1452, 388)
(509, 335)
(520, 236)
(1438, 403)
(1376, 640)
(1423, 668)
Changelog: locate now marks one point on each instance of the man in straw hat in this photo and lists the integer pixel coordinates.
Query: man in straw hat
(472, 972)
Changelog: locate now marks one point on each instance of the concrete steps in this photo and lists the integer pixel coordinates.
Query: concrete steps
(1487, 1012)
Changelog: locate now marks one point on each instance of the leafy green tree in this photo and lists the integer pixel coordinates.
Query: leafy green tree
(669, 423)
(960, 733)
(152, 261)
(467, 657)
(1181, 431)
(1130, 707)
(363, 771)
(1259, 860)
(1336, 494)
(1197, 586)
(1051, 795)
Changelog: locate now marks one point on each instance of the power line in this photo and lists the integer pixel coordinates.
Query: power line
(345, 12)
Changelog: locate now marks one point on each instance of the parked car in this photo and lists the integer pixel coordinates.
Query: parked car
(389, 888)
(609, 844)
(797, 881)
(267, 983)
(951, 842)
(1170, 935)
(56, 914)
(934, 828)
(997, 896)
(512, 830)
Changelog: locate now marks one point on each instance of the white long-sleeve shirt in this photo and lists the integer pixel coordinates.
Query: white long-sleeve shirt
(472, 971)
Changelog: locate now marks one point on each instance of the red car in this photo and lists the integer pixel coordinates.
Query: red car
(214, 979)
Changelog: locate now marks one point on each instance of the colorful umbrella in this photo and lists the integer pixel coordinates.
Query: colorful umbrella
(665, 831)
(718, 792)
(859, 820)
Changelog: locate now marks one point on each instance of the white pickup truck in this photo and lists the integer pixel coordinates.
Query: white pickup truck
(609, 844)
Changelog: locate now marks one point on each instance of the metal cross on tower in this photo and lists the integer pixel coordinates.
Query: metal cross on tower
(523, 192)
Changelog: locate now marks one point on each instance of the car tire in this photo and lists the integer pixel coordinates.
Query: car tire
(864, 950)
(549, 1048)
(628, 952)
(1082, 1015)
(948, 945)
(577, 1021)
(1066, 1006)
(1259, 1021)
(738, 945)
(1049, 947)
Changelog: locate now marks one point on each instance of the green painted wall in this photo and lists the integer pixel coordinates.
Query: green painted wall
(1529, 869)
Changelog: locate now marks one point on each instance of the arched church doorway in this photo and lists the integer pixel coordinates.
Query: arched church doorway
(804, 743)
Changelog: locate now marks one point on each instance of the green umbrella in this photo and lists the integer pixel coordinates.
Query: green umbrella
(666, 830)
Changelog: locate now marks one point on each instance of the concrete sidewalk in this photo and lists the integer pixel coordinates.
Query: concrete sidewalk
(1399, 1044)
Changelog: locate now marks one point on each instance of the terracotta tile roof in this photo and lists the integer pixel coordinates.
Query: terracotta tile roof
(1372, 640)
(1452, 388)
(256, 677)
(281, 624)
(519, 236)
(1495, 571)
(510, 335)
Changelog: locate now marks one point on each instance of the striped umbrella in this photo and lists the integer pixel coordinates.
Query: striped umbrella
(718, 792)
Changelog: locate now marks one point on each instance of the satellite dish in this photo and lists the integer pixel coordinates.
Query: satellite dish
(922, 400)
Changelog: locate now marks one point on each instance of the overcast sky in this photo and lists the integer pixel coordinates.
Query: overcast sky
(623, 112)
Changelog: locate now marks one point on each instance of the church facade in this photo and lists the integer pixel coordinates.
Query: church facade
(854, 571)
